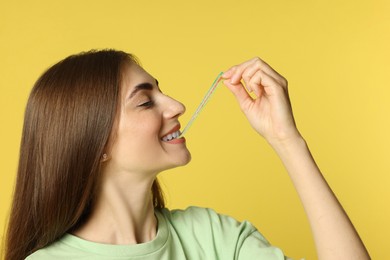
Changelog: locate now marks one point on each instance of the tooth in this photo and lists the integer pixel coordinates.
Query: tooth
(171, 136)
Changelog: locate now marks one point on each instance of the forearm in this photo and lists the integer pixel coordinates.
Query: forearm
(334, 235)
(270, 115)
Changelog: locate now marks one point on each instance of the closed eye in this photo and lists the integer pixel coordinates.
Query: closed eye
(149, 103)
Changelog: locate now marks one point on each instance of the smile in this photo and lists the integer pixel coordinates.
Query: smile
(171, 136)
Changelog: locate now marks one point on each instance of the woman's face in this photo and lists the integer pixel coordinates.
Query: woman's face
(146, 117)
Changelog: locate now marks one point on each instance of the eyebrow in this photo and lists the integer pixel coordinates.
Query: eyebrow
(142, 86)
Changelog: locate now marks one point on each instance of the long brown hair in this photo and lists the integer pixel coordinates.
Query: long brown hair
(69, 117)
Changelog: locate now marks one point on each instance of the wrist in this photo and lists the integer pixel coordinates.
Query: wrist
(287, 143)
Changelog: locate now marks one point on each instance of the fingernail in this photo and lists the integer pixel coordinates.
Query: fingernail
(227, 73)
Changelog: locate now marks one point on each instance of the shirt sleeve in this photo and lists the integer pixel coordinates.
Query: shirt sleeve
(255, 246)
(223, 236)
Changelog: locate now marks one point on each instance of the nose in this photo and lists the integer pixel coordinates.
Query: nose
(173, 108)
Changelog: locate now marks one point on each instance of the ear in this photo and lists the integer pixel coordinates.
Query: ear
(105, 158)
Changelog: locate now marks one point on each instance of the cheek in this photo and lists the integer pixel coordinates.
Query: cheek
(141, 124)
(137, 139)
(138, 135)
(147, 127)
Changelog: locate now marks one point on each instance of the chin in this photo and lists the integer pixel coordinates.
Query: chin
(187, 160)
(181, 161)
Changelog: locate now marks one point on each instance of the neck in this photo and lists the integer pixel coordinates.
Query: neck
(123, 212)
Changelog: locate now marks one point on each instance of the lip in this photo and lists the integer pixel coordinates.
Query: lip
(177, 140)
(174, 129)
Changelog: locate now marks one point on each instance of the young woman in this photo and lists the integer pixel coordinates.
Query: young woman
(97, 132)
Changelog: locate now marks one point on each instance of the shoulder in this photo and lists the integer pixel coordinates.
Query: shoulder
(198, 215)
(190, 214)
(51, 251)
(37, 255)
(62, 249)
(195, 214)
(206, 220)
(230, 237)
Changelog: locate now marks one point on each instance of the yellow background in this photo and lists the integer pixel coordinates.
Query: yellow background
(335, 55)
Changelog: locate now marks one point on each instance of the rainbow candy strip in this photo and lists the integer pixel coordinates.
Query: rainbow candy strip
(203, 103)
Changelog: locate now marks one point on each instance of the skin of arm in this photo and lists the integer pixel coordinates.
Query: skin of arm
(270, 114)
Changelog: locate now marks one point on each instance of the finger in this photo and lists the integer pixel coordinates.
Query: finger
(239, 92)
(237, 74)
(247, 75)
(250, 71)
(246, 69)
(255, 82)
(258, 63)
(261, 81)
(270, 71)
(227, 74)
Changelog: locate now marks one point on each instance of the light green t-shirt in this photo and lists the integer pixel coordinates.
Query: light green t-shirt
(194, 233)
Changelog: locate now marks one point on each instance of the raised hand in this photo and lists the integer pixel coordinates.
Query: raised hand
(270, 112)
